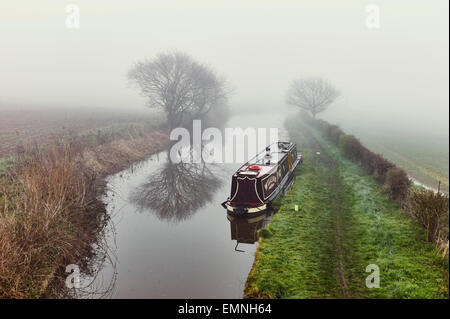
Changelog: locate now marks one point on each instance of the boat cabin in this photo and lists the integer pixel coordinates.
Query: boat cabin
(263, 178)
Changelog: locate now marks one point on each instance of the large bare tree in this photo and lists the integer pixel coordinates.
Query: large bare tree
(179, 85)
(312, 94)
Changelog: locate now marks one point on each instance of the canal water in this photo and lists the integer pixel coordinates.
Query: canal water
(169, 237)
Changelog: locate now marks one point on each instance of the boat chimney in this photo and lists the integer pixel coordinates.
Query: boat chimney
(268, 155)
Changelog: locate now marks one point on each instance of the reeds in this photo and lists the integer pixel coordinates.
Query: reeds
(44, 222)
(50, 214)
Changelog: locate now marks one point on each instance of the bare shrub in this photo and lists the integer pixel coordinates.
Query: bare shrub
(380, 167)
(397, 184)
(334, 133)
(431, 210)
(351, 147)
(367, 160)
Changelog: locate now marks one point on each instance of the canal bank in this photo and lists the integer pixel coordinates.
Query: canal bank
(168, 235)
(343, 223)
(51, 212)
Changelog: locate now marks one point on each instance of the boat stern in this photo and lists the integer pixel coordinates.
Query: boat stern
(242, 210)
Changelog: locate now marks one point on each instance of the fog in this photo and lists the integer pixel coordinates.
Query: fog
(391, 76)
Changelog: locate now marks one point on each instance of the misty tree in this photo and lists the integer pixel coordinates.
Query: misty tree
(311, 94)
(181, 86)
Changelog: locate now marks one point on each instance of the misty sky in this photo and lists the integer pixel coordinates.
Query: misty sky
(397, 72)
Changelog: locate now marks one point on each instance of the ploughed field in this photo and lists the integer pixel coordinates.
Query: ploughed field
(20, 126)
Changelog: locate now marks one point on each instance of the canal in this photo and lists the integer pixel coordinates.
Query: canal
(168, 235)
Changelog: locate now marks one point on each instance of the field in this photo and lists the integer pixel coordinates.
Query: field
(51, 214)
(344, 223)
(422, 153)
(426, 160)
(30, 126)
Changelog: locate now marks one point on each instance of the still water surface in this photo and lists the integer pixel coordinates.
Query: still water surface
(169, 237)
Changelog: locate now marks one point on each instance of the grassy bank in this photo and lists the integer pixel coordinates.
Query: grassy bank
(345, 222)
(5, 164)
(50, 211)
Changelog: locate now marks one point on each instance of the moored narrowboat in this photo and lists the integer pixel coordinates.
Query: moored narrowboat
(262, 179)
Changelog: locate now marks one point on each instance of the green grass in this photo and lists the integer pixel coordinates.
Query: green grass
(344, 218)
(293, 261)
(5, 163)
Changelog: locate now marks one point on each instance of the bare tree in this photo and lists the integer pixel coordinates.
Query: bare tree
(179, 85)
(312, 94)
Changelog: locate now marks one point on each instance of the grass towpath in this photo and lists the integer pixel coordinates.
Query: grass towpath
(343, 224)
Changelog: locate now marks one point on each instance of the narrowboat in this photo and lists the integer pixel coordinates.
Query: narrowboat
(262, 179)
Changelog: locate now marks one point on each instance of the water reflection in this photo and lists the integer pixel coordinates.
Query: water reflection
(245, 229)
(145, 256)
(177, 190)
(92, 282)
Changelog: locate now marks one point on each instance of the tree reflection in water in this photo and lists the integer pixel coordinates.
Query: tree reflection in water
(177, 190)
